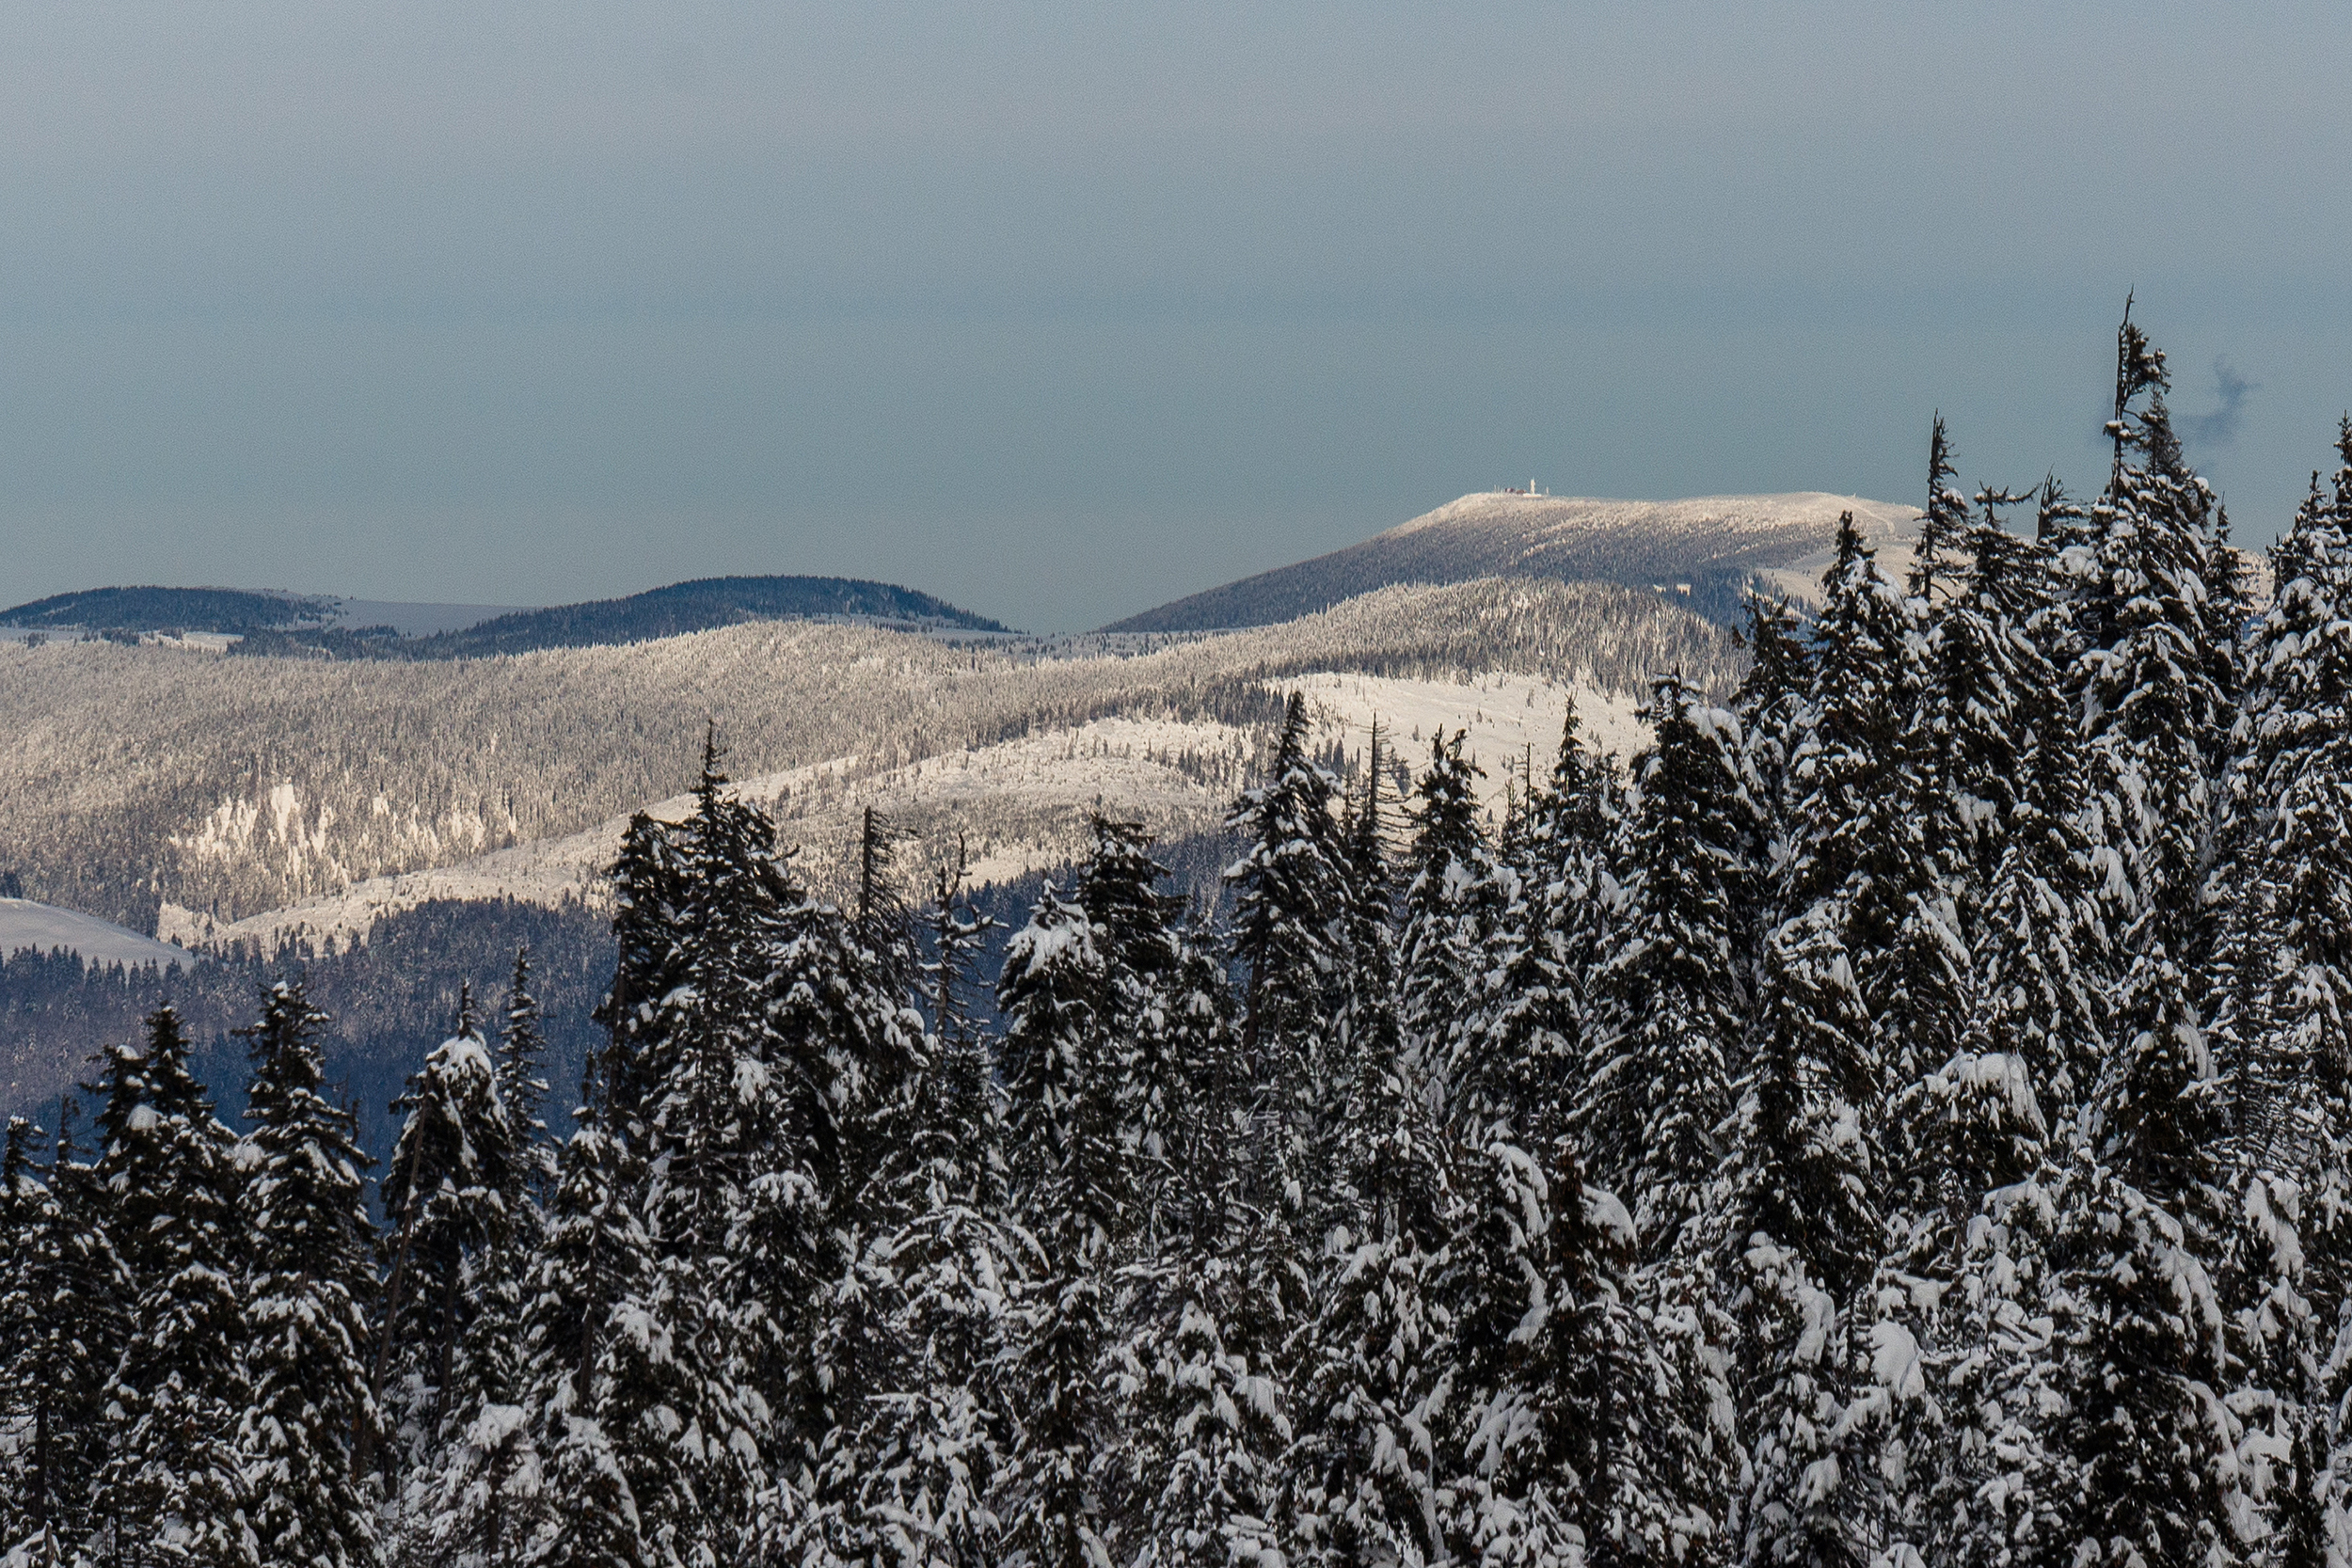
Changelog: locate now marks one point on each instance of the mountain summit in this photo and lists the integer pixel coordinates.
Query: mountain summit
(1705, 549)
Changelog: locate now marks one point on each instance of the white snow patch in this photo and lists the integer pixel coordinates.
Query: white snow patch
(25, 924)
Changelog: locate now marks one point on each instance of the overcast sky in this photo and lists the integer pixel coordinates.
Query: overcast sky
(1061, 311)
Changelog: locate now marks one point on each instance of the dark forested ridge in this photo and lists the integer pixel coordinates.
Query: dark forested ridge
(282, 624)
(234, 610)
(1901, 1118)
(681, 606)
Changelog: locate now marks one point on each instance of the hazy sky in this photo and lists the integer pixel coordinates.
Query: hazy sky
(1061, 311)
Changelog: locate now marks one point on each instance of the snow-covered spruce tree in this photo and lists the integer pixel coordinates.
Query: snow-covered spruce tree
(717, 1126)
(1365, 1021)
(2149, 688)
(844, 1021)
(1799, 1235)
(1865, 782)
(1288, 922)
(1943, 521)
(2299, 659)
(1456, 894)
(1975, 733)
(1657, 1083)
(1071, 1189)
(928, 1440)
(1536, 1004)
(309, 1271)
(2283, 973)
(1204, 1376)
(445, 1191)
(1771, 705)
(173, 1488)
(521, 1061)
(577, 1508)
(1375, 1367)
(1564, 1434)
(2040, 946)
(475, 1501)
(647, 901)
(61, 1294)
(2143, 1209)
(1142, 954)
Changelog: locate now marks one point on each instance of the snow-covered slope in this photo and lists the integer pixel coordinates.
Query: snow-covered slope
(1020, 805)
(1700, 550)
(42, 927)
(130, 777)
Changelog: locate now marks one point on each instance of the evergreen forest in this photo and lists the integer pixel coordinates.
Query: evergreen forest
(1903, 1116)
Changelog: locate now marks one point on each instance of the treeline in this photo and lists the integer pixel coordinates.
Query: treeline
(388, 1001)
(1901, 1119)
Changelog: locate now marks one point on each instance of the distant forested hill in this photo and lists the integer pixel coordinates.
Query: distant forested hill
(273, 622)
(234, 610)
(672, 611)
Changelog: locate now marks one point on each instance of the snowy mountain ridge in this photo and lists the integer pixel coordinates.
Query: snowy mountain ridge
(1705, 550)
(140, 777)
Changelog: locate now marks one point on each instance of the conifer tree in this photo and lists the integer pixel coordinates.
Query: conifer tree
(1142, 957)
(453, 1169)
(649, 899)
(1945, 517)
(1976, 733)
(1070, 1190)
(173, 1489)
(61, 1289)
(1772, 705)
(1288, 922)
(930, 1440)
(521, 1055)
(1864, 799)
(1456, 896)
(582, 1510)
(310, 1271)
(1801, 1235)
(2154, 718)
(477, 1500)
(2143, 1209)
(2281, 974)
(695, 1454)
(908, 1471)
(1657, 1083)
